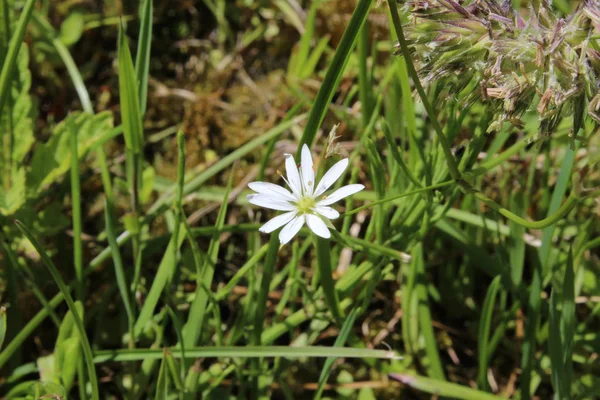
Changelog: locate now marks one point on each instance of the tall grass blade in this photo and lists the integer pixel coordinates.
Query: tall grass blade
(118, 263)
(334, 73)
(193, 327)
(87, 350)
(142, 57)
(485, 324)
(323, 250)
(440, 388)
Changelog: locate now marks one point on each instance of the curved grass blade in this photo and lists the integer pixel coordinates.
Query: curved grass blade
(87, 350)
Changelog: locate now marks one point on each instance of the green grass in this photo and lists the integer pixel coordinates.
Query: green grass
(131, 262)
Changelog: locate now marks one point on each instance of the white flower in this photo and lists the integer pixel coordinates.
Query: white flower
(306, 202)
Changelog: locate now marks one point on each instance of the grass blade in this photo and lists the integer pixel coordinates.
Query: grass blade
(87, 350)
(323, 249)
(485, 324)
(142, 57)
(13, 50)
(339, 342)
(3, 325)
(334, 73)
(193, 327)
(435, 369)
(103, 356)
(76, 211)
(440, 388)
(118, 264)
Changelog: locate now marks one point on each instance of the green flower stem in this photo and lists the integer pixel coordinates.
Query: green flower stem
(323, 249)
(563, 210)
(452, 166)
(405, 194)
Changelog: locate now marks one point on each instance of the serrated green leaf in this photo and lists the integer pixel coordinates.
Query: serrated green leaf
(52, 159)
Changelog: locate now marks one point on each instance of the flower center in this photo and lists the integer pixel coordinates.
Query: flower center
(305, 204)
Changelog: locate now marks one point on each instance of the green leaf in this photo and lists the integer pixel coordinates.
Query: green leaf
(142, 57)
(440, 388)
(72, 28)
(334, 73)
(52, 159)
(193, 327)
(16, 41)
(48, 369)
(147, 185)
(12, 199)
(162, 384)
(20, 120)
(323, 249)
(128, 96)
(484, 330)
(68, 359)
(87, 349)
(67, 327)
(3, 325)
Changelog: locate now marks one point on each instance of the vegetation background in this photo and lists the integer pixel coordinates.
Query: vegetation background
(135, 269)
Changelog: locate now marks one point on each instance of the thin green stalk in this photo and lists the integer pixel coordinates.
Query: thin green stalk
(563, 210)
(451, 162)
(87, 349)
(388, 199)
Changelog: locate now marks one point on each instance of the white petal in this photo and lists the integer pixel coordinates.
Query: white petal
(272, 190)
(331, 176)
(292, 175)
(266, 201)
(277, 222)
(308, 173)
(317, 226)
(289, 231)
(327, 212)
(339, 194)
